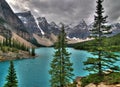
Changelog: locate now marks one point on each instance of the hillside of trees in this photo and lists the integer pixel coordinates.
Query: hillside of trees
(13, 49)
(102, 50)
(112, 43)
(13, 45)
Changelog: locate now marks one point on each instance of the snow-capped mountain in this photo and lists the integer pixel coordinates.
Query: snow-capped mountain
(68, 29)
(115, 28)
(29, 22)
(48, 28)
(53, 24)
(43, 24)
(79, 31)
(12, 27)
(90, 27)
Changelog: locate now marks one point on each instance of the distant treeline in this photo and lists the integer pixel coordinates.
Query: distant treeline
(111, 43)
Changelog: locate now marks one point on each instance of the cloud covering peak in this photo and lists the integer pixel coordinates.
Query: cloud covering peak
(67, 11)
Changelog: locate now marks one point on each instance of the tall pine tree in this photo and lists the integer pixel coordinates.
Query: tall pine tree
(61, 67)
(33, 51)
(11, 78)
(103, 59)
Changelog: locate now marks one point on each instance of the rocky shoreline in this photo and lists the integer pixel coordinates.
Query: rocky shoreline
(15, 55)
(102, 84)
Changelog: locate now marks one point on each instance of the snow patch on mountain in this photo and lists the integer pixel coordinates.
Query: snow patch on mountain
(39, 27)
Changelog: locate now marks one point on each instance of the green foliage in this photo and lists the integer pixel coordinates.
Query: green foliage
(14, 50)
(92, 78)
(34, 41)
(61, 67)
(103, 59)
(10, 42)
(100, 20)
(113, 78)
(12, 45)
(11, 77)
(72, 84)
(107, 60)
(112, 44)
(33, 52)
(4, 49)
(109, 79)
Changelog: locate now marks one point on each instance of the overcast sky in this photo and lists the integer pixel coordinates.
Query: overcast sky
(67, 11)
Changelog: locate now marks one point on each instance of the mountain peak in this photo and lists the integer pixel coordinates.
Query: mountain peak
(82, 25)
(82, 22)
(61, 24)
(29, 22)
(42, 19)
(8, 15)
(25, 13)
(53, 23)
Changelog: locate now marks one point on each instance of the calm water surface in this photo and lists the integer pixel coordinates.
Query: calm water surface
(34, 72)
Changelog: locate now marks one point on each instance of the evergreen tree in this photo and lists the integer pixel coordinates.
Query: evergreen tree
(13, 43)
(105, 59)
(3, 42)
(6, 41)
(10, 42)
(27, 48)
(11, 78)
(33, 51)
(0, 43)
(61, 67)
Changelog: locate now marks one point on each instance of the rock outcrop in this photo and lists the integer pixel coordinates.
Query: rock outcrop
(48, 28)
(79, 31)
(8, 15)
(29, 22)
(9, 23)
(102, 85)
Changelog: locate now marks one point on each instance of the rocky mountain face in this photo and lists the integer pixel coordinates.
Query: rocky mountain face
(115, 28)
(79, 31)
(8, 15)
(55, 29)
(9, 23)
(5, 32)
(29, 22)
(25, 25)
(48, 28)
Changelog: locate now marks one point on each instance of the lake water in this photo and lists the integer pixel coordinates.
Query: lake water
(34, 72)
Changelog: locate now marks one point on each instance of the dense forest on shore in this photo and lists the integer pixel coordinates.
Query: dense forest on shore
(112, 43)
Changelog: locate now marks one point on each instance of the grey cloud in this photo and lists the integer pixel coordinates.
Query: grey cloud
(67, 11)
(112, 8)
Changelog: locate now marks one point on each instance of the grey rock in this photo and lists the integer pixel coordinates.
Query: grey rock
(29, 22)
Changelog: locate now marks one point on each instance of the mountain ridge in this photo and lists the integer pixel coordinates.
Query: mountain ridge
(30, 29)
(10, 23)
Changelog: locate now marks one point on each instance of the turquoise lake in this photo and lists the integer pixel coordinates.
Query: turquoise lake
(34, 72)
